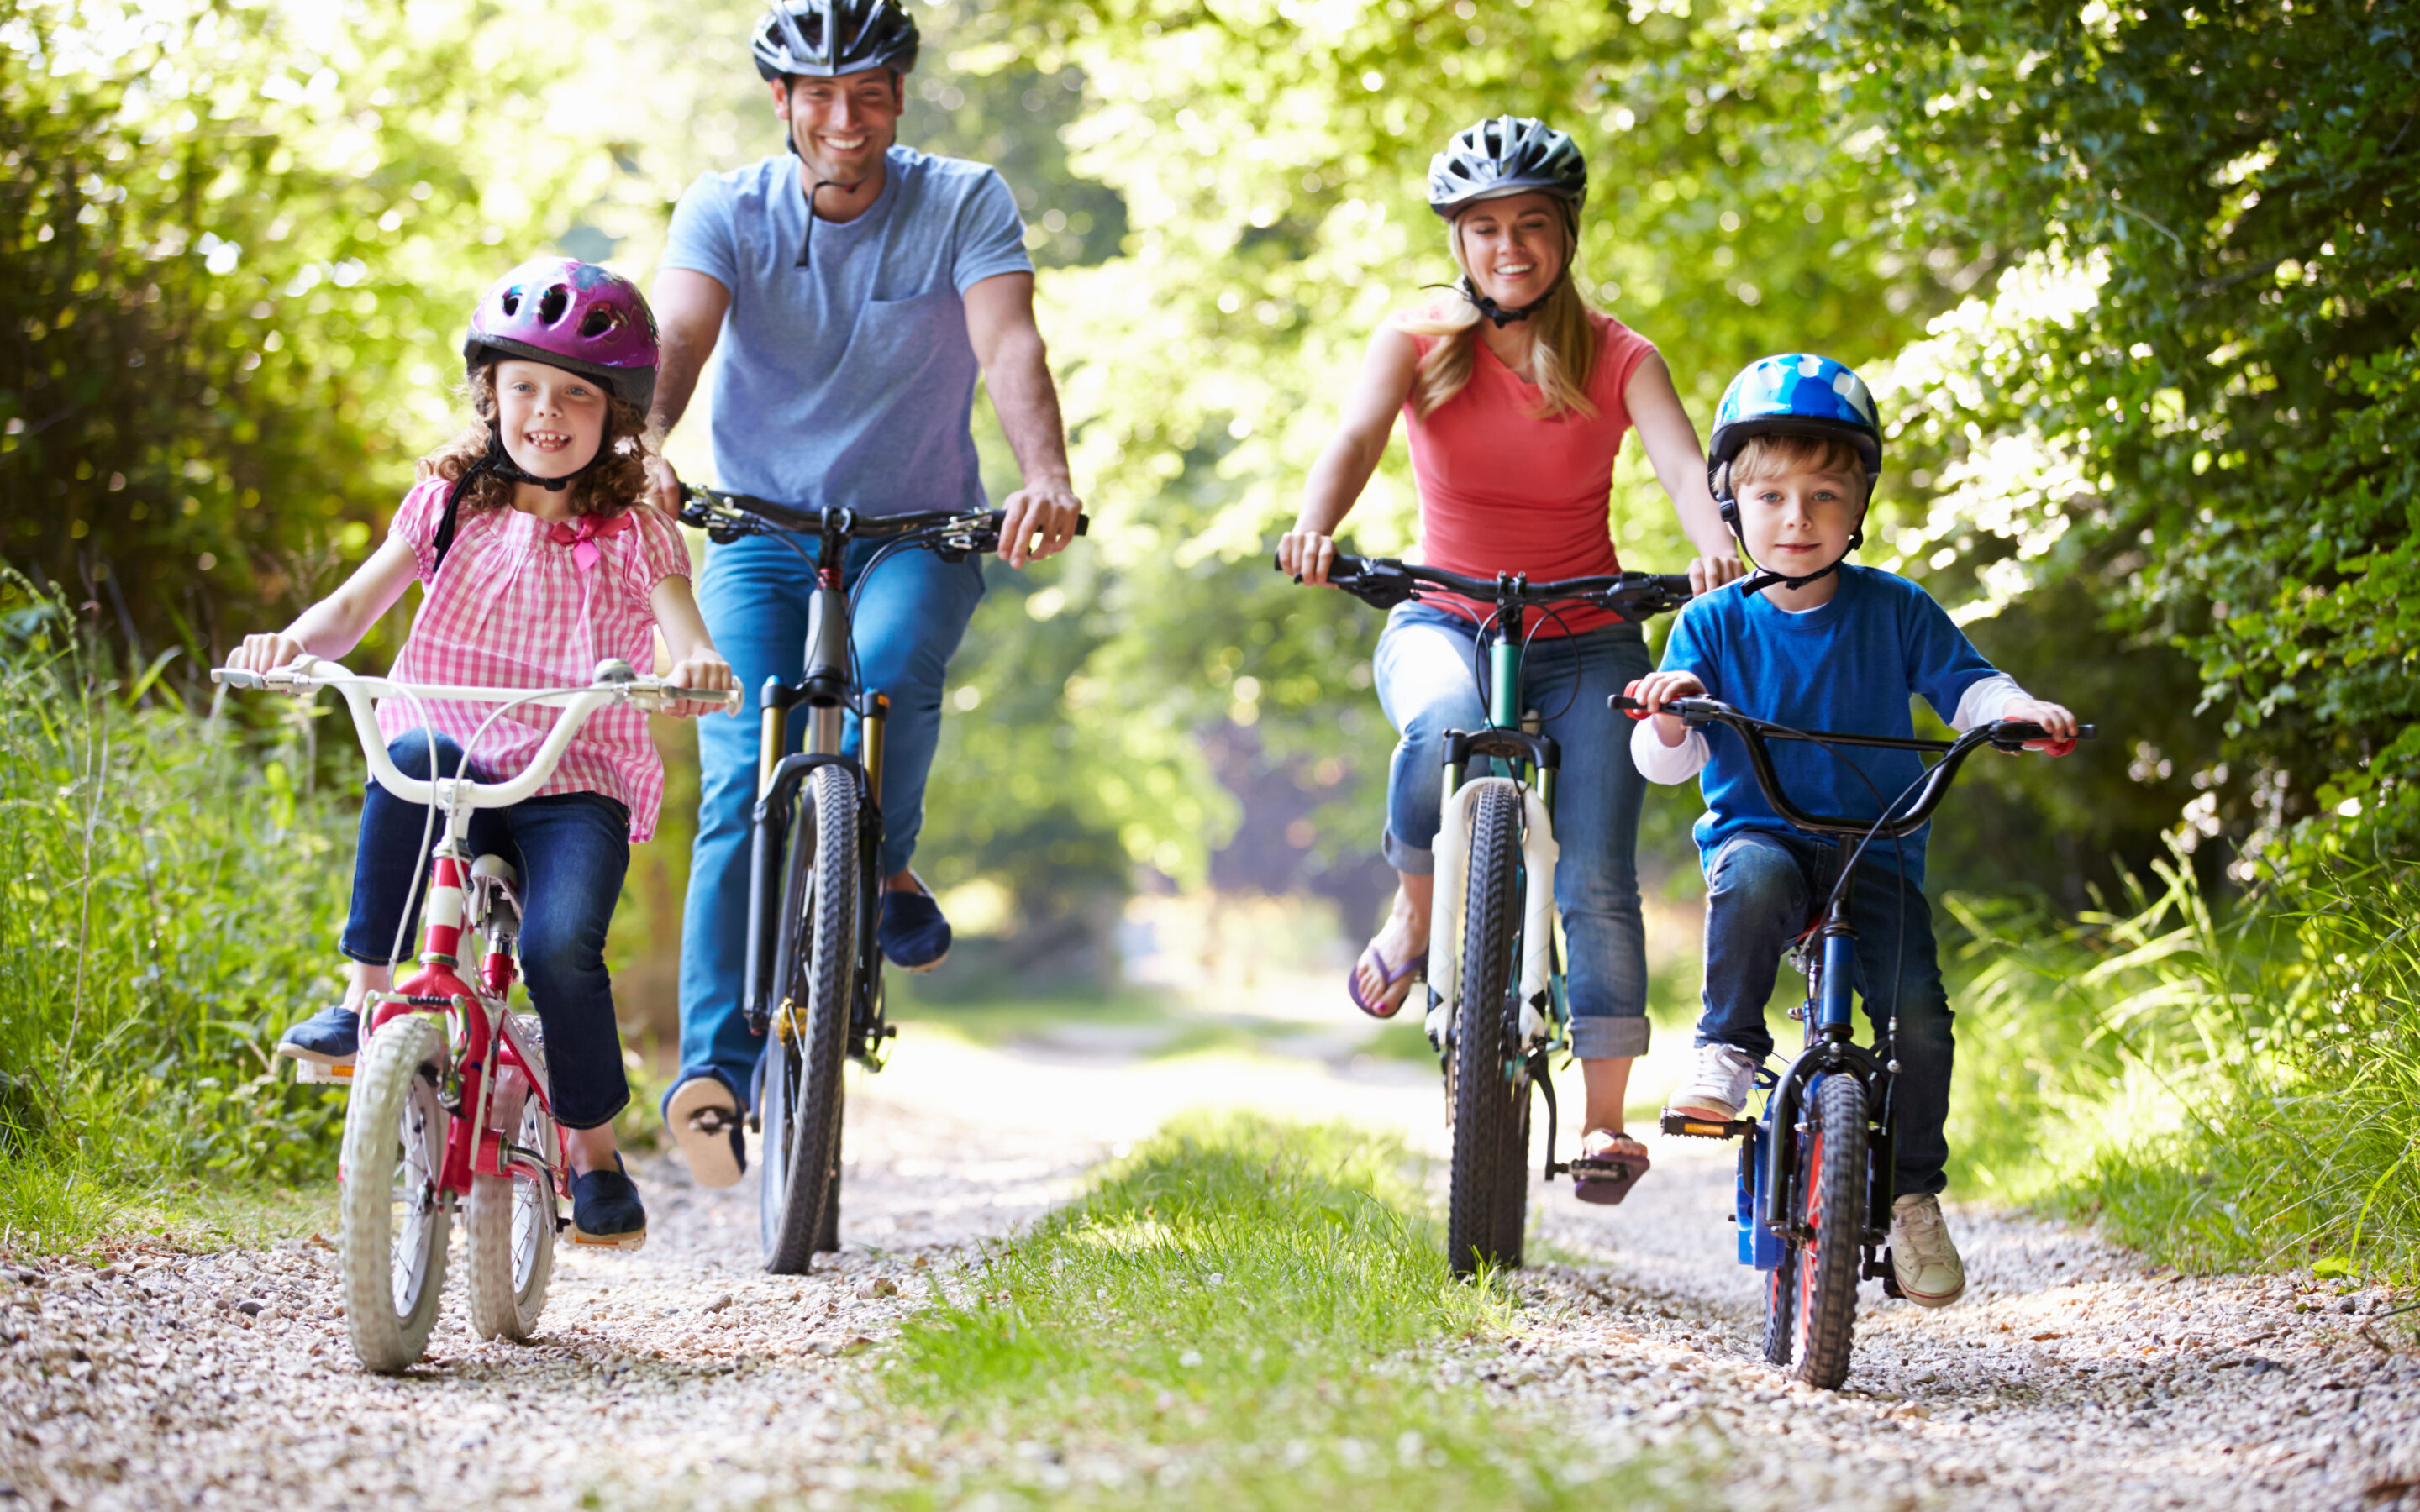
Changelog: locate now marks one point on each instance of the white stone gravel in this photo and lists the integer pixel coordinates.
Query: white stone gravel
(2072, 1376)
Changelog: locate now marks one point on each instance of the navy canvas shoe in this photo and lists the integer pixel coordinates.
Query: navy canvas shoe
(606, 1210)
(327, 1038)
(914, 935)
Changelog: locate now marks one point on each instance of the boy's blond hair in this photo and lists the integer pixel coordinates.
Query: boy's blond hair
(1769, 456)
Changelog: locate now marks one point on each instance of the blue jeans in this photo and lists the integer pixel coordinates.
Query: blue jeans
(909, 618)
(1427, 686)
(1762, 888)
(571, 850)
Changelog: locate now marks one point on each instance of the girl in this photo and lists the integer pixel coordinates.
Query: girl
(1516, 395)
(536, 560)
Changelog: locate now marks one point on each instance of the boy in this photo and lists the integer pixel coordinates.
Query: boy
(1811, 642)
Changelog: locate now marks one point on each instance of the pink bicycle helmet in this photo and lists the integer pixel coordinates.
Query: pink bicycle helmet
(571, 315)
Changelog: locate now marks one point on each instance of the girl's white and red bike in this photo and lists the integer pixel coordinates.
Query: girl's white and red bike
(449, 1104)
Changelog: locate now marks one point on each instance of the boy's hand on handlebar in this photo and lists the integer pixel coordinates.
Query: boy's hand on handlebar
(265, 653)
(1706, 573)
(1037, 521)
(2051, 717)
(700, 669)
(1656, 689)
(1307, 554)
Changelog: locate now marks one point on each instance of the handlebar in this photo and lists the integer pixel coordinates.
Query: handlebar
(2007, 735)
(954, 532)
(614, 683)
(1383, 582)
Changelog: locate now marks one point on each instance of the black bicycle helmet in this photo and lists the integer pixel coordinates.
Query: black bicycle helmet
(826, 38)
(1507, 155)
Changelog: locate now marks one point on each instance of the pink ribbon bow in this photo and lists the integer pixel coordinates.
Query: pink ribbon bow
(583, 533)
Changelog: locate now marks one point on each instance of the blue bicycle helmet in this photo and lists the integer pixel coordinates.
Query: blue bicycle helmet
(1793, 394)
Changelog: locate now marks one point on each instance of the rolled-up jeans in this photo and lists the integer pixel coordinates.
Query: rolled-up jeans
(1427, 684)
(571, 850)
(1762, 888)
(910, 614)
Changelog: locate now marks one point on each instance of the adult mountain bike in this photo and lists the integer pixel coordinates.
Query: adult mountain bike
(449, 1106)
(813, 979)
(1496, 1002)
(1813, 1198)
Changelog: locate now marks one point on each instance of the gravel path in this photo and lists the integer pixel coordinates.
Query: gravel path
(2072, 1376)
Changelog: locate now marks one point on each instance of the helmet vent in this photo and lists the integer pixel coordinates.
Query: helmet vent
(598, 321)
(552, 304)
(512, 301)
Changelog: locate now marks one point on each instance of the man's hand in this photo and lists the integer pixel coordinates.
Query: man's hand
(699, 669)
(2061, 724)
(1036, 521)
(265, 653)
(1707, 572)
(1658, 689)
(1307, 554)
(663, 486)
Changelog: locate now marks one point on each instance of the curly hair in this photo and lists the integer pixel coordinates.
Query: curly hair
(610, 488)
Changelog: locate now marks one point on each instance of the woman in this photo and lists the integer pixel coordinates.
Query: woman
(1516, 396)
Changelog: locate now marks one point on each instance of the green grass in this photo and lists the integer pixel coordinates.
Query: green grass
(1260, 1311)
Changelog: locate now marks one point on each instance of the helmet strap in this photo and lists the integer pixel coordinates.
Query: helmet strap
(1763, 577)
(807, 242)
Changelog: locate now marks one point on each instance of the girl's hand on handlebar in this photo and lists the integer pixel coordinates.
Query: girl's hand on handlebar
(1706, 573)
(265, 653)
(2051, 717)
(1307, 554)
(702, 670)
(1655, 690)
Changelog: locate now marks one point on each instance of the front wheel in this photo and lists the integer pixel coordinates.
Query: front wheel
(1488, 1134)
(509, 1224)
(1832, 1200)
(815, 972)
(392, 1216)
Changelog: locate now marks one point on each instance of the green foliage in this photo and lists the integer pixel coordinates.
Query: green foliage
(1266, 1305)
(2196, 399)
(240, 239)
(169, 899)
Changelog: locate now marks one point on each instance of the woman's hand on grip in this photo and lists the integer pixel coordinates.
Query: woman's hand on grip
(1307, 554)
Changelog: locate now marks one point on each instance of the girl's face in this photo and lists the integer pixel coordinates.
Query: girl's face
(553, 422)
(1799, 523)
(1514, 248)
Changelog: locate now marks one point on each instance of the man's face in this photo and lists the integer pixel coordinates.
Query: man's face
(842, 127)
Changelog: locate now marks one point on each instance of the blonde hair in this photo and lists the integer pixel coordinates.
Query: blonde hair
(609, 488)
(1769, 456)
(1564, 355)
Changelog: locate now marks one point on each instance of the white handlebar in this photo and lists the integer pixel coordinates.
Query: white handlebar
(308, 674)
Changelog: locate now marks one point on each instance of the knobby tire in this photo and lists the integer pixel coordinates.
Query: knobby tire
(815, 967)
(1486, 1106)
(1832, 1194)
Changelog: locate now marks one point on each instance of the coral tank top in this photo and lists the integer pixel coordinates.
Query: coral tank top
(1504, 490)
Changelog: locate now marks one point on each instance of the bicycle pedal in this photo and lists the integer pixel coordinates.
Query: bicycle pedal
(314, 1072)
(1694, 1128)
(630, 1243)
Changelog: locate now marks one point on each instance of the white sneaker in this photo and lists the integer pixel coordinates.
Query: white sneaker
(1924, 1260)
(1718, 1085)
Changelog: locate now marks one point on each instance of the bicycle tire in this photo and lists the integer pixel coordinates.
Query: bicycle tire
(1483, 1111)
(391, 1217)
(1512, 1186)
(1832, 1194)
(817, 965)
(1780, 1308)
(508, 1225)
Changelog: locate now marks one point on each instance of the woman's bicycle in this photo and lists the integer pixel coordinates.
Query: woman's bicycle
(450, 1105)
(1813, 1198)
(812, 976)
(1497, 1004)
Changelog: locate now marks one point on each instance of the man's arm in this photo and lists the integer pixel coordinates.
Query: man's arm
(689, 307)
(1040, 517)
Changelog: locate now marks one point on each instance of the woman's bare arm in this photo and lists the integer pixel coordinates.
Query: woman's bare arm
(1671, 443)
(1351, 454)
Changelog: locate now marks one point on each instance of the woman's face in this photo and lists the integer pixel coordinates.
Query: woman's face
(1514, 248)
(553, 422)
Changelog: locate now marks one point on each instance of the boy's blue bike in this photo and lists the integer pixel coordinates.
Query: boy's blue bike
(1814, 1191)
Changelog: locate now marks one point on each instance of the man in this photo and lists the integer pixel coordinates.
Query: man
(858, 286)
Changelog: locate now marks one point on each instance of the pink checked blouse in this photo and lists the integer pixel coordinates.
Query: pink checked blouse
(520, 603)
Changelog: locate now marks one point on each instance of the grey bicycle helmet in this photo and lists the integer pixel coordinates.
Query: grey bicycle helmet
(826, 38)
(1507, 155)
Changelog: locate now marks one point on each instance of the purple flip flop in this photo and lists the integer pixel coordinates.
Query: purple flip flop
(1395, 983)
(1607, 1178)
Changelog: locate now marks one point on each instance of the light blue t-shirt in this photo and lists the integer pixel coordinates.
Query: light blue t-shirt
(850, 382)
(1851, 666)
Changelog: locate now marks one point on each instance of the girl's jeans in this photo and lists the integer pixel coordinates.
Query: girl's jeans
(1427, 685)
(909, 618)
(570, 850)
(1762, 888)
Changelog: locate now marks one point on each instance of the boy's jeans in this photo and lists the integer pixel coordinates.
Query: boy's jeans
(910, 614)
(1761, 889)
(571, 850)
(1427, 687)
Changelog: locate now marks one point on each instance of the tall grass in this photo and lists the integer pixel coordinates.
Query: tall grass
(170, 893)
(2237, 1090)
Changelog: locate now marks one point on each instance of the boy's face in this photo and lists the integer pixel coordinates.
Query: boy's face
(1800, 522)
